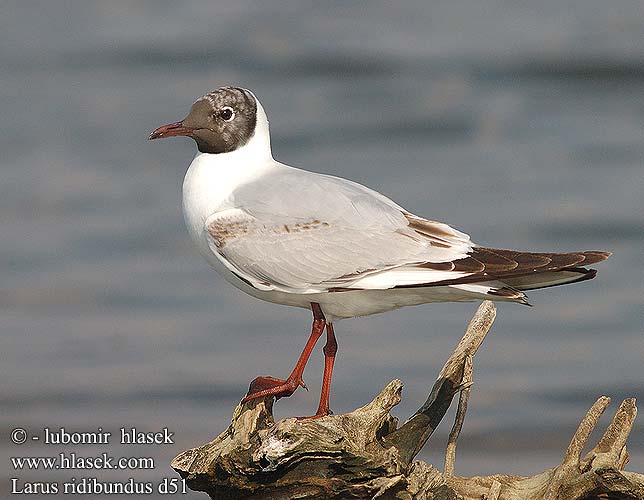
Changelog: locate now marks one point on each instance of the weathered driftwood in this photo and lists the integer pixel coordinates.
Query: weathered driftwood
(363, 454)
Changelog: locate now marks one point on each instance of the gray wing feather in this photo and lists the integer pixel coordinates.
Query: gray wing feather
(310, 233)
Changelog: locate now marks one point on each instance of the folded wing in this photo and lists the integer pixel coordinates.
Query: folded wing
(313, 233)
(309, 255)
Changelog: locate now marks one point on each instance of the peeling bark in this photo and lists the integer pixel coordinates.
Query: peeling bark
(363, 454)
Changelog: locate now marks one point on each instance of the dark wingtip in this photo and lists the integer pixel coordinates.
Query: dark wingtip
(584, 275)
(595, 256)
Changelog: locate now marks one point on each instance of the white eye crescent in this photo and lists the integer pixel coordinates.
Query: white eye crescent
(227, 113)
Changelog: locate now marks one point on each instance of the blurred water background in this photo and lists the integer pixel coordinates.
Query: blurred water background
(517, 122)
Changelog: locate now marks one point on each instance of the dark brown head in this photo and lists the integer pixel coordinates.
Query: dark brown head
(219, 122)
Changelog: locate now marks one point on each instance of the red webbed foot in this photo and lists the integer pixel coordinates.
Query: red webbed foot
(271, 386)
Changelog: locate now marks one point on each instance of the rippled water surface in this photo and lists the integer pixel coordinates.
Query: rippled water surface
(520, 123)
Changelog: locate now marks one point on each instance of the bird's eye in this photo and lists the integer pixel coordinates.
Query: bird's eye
(227, 113)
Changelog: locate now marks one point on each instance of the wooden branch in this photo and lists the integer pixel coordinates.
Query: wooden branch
(450, 452)
(599, 475)
(362, 455)
(414, 433)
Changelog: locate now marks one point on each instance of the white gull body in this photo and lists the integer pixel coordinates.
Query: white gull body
(294, 237)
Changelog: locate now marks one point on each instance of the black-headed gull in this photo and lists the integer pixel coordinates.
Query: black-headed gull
(328, 244)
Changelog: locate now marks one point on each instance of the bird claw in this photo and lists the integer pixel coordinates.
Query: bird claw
(320, 414)
(270, 386)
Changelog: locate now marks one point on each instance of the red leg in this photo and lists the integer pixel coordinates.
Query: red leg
(271, 386)
(330, 348)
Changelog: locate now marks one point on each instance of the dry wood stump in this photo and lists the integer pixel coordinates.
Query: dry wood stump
(364, 454)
